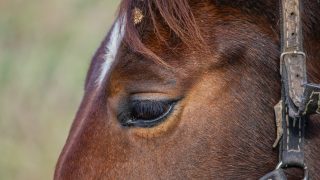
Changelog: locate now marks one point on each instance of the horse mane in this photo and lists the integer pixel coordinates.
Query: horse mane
(175, 15)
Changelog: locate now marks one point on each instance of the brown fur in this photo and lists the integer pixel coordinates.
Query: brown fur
(223, 58)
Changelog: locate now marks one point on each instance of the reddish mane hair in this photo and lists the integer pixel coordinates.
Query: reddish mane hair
(175, 15)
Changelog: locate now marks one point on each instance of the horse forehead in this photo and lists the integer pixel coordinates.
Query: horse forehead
(112, 50)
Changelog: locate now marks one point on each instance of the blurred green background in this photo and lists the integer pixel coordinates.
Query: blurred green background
(45, 50)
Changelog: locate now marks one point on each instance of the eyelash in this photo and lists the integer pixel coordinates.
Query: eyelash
(145, 113)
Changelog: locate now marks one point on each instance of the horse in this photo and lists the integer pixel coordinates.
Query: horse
(185, 89)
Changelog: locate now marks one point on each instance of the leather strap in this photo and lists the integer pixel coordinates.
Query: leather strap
(293, 59)
(294, 79)
(298, 98)
(291, 147)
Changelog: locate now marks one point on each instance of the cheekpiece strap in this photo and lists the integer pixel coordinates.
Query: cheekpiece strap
(293, 59)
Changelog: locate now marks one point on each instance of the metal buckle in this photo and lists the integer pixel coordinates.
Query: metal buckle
(281, 165)
(295, 52)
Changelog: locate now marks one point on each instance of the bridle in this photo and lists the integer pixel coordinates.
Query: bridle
(299, 99)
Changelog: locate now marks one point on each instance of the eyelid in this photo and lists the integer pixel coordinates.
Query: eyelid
(154, 96)
(127, 120)
(150, 123)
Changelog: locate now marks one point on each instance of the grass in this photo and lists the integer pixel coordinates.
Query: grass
(45, 50)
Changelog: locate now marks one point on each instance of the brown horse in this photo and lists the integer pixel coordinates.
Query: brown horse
(185, 89)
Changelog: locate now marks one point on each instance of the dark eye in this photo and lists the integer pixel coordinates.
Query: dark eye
(146, 113)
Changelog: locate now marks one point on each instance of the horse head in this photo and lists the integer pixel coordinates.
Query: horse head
(186, 89)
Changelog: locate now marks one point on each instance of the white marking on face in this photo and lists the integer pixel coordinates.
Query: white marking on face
(111, 51)
(112, 48)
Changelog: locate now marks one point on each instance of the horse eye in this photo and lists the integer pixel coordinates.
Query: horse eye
(146, 113)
